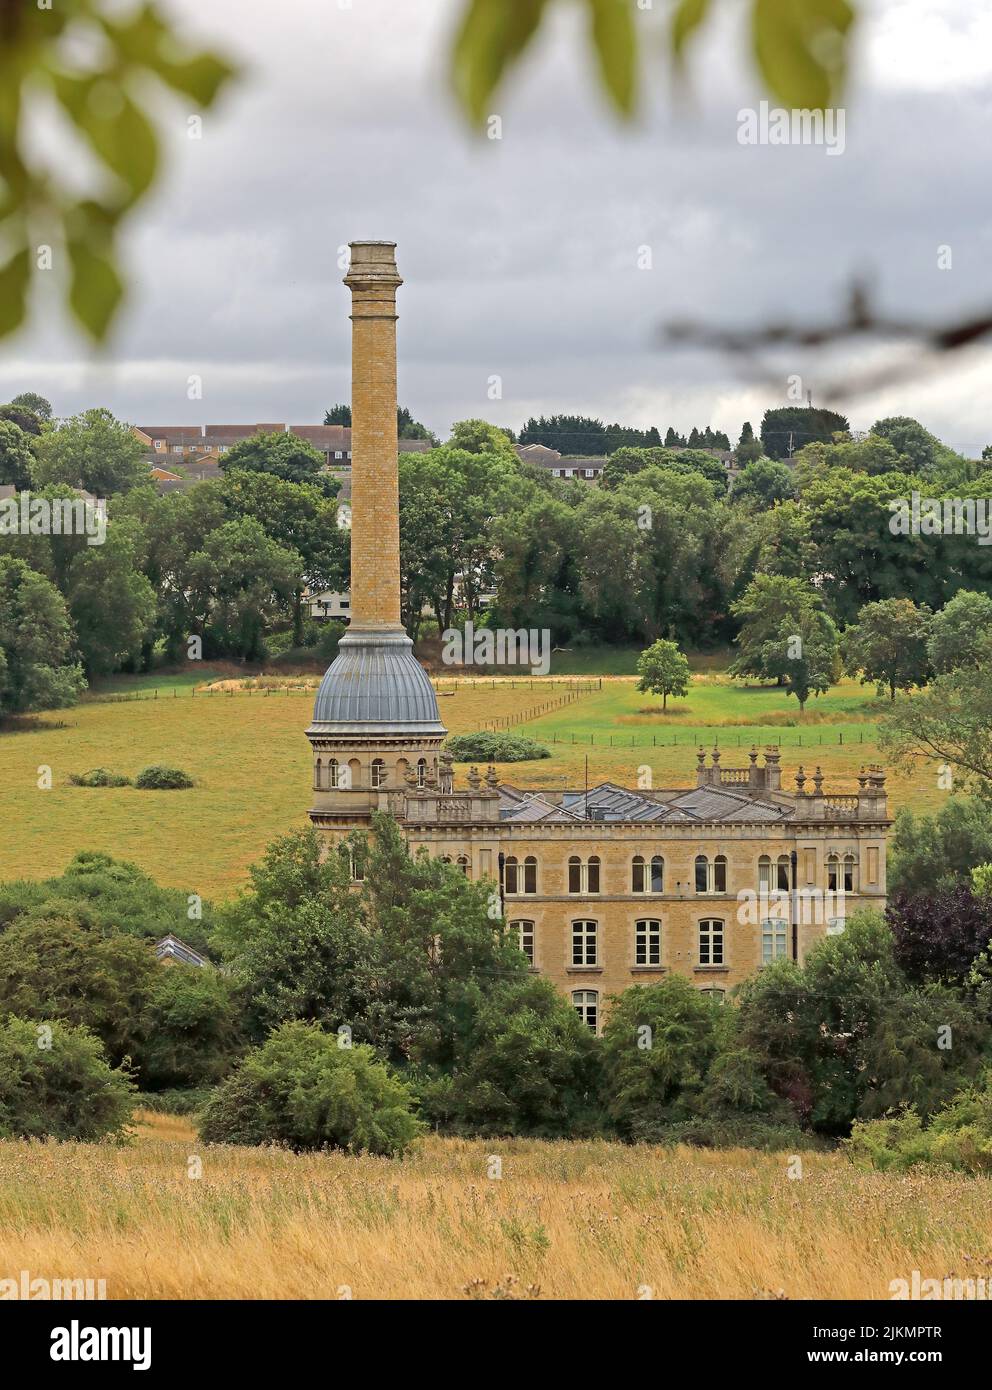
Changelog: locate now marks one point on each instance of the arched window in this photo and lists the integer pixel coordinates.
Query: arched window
(833, 873)
(774, 939)
(849, 868)
(586, 1005)
(584, 943)
(765, 874)
(583, 877)
(782, 867)
(710, 942)
(519, 878)
(647, 942)
(525, 938)
(421, 772)
(379, 773)
(465, 864)
(332, 773)
(318, 784)
(647, 878)
(711, 878)
(718, 996)
(720, 874)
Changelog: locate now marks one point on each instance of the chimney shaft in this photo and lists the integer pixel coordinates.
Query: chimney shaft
(375, 515)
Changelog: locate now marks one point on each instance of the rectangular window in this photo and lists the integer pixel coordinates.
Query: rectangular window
(525, 935)
(584, 943)
(647, 943)
(710, 943)
(774, 940)
(586, 1005)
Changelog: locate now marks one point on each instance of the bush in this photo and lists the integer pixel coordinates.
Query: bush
(58, 1084)
(160, 779)
(190, 1028)
(300, 1088)
(494, 748)
(959, 1136)
(99, 777)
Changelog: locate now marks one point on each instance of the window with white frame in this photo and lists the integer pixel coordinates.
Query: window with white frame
(586, 1005)
(765, 874)
(647, 942)
(465, 864)
(782, 877)
(774, 939)
(711, 941)
(379, 773)
(849, 867)
(584, 943)
(718, 996)
(525, 938)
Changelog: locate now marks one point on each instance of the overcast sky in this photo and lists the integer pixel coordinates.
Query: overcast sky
(520, 256)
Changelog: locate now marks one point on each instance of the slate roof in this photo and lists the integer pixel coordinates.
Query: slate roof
(610, 802)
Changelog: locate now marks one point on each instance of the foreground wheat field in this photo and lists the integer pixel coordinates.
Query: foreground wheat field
(564, 1221)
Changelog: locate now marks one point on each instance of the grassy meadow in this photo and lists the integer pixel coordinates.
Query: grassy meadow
(565, 1220)
(248, 755)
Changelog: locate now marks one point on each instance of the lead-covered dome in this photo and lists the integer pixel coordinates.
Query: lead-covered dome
(376, 683)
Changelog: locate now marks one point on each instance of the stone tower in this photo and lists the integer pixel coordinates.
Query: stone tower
(376, 733)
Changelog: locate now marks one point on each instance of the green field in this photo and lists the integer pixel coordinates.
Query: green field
(250, 759)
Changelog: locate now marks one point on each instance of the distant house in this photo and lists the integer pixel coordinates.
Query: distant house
(585, 468)
(330, 605)
(171, 948)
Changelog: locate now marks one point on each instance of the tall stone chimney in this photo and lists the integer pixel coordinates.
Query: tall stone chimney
(375, 513)
(375, 724)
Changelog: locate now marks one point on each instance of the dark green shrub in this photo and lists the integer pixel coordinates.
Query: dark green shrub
(302, 1089)
(56, 1083)
(160, 779)
(494, 748)
(190, 1028)
(99, 777)
(173, 1102)
(959, 1136)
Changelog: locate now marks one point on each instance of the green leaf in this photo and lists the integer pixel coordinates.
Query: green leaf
(96, 288)
(615, 38)
(800, 46)
(145, 39)
(493, 34)
(15, 277)
(117, 129)
(688, 16)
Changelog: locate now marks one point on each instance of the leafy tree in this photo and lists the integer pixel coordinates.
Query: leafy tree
(62, 1090)
(888, 645)
(30, 400)
(303, 520)
(787, 428)
(526, 1065)
(16, 456)
(803, 655)
(934, 853)
(950, 721)
(35, 643)
(338, 415)
(303, 1089)
(939, 933)
(285, 455)
(771, 605)
(657, 1045)
(92, 451)
(748, 449)
(910, 439)
(960, 631)
(479, 437)
(52, 967)
(238, 581)
(191, 1027)
(764, 482)
(663, 671)
(111, 603)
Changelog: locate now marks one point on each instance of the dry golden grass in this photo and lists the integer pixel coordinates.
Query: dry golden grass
(566, 1220)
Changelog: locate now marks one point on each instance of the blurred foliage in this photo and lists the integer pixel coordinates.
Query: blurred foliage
(799, 46)
(95, 63)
